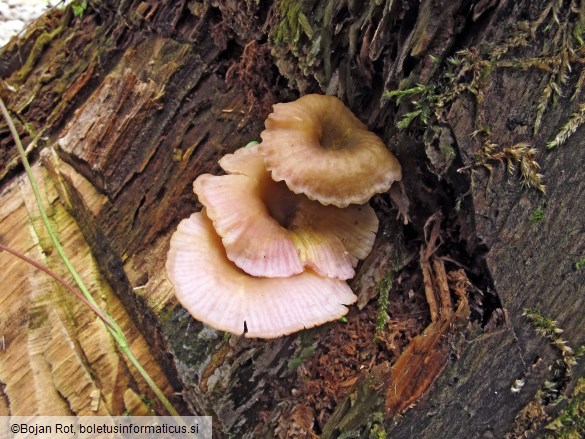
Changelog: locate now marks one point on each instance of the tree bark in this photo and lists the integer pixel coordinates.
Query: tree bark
(135, 99)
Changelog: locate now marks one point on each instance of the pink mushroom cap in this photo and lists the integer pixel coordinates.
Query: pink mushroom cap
(319, 148)
(221, 295)
(269, 231)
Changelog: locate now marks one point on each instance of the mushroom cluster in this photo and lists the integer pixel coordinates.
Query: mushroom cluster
(284, 229)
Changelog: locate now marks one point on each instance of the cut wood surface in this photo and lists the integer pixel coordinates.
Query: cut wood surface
(57, 356)
(132, 101)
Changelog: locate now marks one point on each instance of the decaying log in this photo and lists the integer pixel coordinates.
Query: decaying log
(57, 357)
(130, 103)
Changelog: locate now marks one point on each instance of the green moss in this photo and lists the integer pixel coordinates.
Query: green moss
(568, 129)
(580, 264)
(537, 215)
(383, 289)
(306, 353)
(303, 31)
(305, 25)
(79, 7)
(38, 48)
(425, 100)
(361, 413)
(562, 25)
(377, 429)
(570, 422)
(547, 327)
(292, 21)
(305, 349)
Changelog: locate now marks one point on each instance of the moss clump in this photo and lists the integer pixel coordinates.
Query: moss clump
(79, 7)
(305, 349)
(431, 101)
(537, 215)
(293, 23)
(377, 429)
(38, 49)
(548, 328)
(361, 413)
(305, 354)
(570, 423)
(568, 129)
(562, 24)
(383, 289)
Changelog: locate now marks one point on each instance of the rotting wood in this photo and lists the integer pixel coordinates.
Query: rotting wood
(57, 356)
(183, 131)
(427, 354)
(425, 357)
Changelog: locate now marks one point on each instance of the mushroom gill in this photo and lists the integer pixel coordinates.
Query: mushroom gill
(218, 293)
(269, 231)
(286, 226)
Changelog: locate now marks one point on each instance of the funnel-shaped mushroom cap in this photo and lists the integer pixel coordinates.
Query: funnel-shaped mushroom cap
(253, 239)
(269, 231)
(320, 149)
(221, 295)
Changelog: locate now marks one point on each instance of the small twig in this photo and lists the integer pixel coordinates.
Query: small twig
(59, 279)
(442, 286)
(428, 284)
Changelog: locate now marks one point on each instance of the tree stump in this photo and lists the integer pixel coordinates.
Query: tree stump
(133, 100)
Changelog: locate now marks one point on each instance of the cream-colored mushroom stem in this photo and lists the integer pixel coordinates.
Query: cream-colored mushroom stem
(218, 293)
(269, 231)
(319, 148)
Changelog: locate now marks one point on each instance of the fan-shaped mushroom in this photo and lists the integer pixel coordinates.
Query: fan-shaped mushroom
(320, 149)
(279, 234)
(269, 231)
(223, 296)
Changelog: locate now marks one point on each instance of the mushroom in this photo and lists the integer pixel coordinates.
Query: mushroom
(269, 231)
(319, 148)
(218, 293)
(286, 226)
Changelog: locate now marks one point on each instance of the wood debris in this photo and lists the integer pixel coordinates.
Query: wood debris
(427, 354)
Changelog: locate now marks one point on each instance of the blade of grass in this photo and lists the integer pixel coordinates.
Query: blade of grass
(59, 279)
(112, 326)
(39, 202)
(95, 309)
